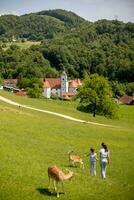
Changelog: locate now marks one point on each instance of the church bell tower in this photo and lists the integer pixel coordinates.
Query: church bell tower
(64, 82)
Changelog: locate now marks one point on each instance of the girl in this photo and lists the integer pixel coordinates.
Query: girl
(92, 158)
(104, 159)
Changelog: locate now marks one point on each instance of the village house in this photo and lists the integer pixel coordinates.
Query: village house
(60, 87)
(9, 84)
(128, 100)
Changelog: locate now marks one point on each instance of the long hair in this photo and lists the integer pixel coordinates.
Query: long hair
(105, 147)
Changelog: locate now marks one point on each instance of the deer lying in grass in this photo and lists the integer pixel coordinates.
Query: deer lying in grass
(75, 159)
(58, 176)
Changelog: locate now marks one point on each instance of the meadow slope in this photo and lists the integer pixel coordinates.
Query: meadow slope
(30, 141)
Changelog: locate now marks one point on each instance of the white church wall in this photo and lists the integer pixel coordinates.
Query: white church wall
(58, 92)
(47, 92)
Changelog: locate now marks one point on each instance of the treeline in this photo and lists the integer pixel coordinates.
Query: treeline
(68, 42)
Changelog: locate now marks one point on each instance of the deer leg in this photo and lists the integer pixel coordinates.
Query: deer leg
(55, 186)
(57, 189)
(63, 187)
(49, 182)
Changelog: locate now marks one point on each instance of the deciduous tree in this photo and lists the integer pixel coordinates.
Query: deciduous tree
(96, 97)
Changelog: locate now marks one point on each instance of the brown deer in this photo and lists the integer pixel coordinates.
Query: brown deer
(75, 159)
(58, 176)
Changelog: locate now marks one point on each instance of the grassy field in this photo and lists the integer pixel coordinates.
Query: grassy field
(69, 108)
(31, 141)
(22, 45)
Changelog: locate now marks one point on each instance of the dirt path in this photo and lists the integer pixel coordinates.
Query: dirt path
(53, 113)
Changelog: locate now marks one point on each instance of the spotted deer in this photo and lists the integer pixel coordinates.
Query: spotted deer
(57, 176)
(75, 159)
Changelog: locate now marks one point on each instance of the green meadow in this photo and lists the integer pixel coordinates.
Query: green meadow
(30, 141)
(22, 45)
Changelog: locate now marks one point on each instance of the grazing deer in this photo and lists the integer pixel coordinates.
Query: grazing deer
(75, 159)
(58, 176)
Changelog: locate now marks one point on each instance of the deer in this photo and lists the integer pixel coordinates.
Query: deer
(75, 159)
(58, 176)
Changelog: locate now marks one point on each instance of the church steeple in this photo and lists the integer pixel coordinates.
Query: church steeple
(64, 82)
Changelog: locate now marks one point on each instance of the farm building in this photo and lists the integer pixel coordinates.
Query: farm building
(128, 100)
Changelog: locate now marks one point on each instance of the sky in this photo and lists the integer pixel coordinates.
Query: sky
(91, 10)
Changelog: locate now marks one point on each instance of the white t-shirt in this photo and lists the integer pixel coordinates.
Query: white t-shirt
(92, 157)
(104, 155)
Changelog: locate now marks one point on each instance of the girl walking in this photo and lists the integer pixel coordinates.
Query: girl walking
(92, 159)
(104, 159)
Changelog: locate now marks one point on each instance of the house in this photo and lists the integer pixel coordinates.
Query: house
(9, 84)
(60, 87)
(128, 100)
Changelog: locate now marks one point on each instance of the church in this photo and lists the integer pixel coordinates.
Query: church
(61, 87)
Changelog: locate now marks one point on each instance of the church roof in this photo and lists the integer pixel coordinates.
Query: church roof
(68, 95)
(56, 83)
(52, 83)
(76, 83)
(46, 84)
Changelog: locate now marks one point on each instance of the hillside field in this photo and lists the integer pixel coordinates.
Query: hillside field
(31, 141)
(22, 45)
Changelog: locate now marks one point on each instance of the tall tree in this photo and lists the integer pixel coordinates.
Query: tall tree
(95, 97)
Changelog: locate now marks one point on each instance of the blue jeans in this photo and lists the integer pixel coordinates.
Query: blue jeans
(92, 168)
(103, 166)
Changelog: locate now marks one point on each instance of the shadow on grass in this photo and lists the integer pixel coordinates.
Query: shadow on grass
(45, 191)
(72, 166)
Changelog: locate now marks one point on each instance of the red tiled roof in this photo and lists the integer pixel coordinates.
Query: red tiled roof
(21, 93)
(76, 83)
(73, 84)
(69, 93)
(10, 81)
(66, 97)
(56, 83)
(52, 82)
(46, 84)
(127, 99)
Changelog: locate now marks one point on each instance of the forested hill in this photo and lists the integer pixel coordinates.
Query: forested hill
(68, 17)
(38, 26)
(68, 42)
